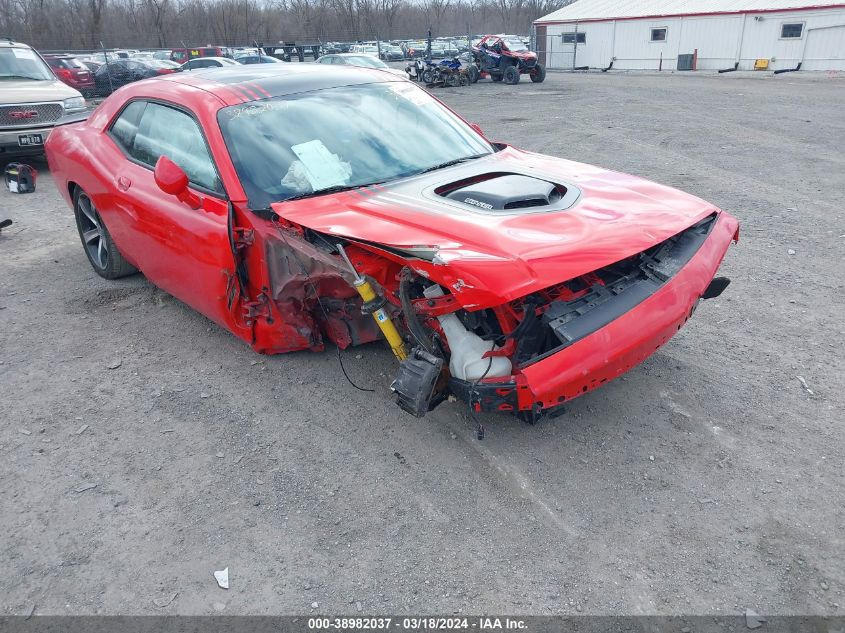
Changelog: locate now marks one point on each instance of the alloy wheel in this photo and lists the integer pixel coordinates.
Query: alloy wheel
(92, 232)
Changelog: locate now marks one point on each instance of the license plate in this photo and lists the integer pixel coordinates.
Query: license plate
(28, 140)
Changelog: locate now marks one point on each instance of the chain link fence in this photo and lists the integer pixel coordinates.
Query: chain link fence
(96, 73)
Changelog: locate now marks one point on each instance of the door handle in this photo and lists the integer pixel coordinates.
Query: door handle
(123, 183)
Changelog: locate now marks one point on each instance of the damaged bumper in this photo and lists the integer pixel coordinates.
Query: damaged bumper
(616, 345)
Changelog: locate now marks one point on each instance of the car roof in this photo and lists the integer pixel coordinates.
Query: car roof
(211, 57)
(6, 42)
(263, 81)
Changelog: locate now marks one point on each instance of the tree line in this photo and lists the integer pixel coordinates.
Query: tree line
(84, 24)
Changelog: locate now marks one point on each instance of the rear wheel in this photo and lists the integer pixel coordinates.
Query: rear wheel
(511, 75)
(102, 253)
(473, 73)
(538, 74)
(427, 76)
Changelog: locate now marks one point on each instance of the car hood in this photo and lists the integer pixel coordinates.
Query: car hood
(488, 257)
(33, 91)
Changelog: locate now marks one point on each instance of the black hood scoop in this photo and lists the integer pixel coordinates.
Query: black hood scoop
(509, 193)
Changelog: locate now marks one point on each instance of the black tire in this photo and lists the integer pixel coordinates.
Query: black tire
(539, 74)
(511, 75)
(496, 77)
(474, 73)
(427, 76)
(97, 242)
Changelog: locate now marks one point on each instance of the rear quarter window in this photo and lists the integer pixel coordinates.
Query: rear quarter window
(125, 127)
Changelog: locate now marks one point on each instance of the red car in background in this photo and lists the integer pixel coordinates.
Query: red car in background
(72, 72)
(299, 204)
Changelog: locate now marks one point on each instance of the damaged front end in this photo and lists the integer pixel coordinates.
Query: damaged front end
(525, 356)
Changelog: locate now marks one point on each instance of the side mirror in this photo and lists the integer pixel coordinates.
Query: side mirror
(477, 128)
(171, 179)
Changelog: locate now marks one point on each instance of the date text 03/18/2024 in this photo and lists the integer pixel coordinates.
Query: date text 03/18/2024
(415, 623)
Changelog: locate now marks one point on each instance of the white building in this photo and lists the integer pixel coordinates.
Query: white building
(651, 34)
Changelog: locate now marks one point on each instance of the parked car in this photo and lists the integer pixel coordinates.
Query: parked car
(365, 49)
(181, 55)
(257, 59)
(438, 51)
(391, 53)
(265, 200)
(450, 49)
(118, 73)
(164, 65)
(72, 72)
(506, 59)
(415, 50)
(97, 58)
(32, 99)
(358, 59)
(91, 65)
(208, 62)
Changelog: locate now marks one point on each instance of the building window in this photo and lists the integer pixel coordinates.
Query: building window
(659, 34)
(574, 38)
(792, 31)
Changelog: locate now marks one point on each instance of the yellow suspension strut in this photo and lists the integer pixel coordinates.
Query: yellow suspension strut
(375, 306)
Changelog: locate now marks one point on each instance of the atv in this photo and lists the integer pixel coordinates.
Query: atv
(504, 58)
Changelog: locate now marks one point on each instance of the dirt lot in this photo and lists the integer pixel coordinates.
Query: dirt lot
(706, 481)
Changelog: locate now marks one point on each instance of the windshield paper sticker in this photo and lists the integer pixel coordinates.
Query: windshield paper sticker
(323, 169)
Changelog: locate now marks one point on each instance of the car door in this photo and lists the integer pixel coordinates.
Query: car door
(182, 250)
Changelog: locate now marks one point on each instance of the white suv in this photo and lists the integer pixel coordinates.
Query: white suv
(32, 99)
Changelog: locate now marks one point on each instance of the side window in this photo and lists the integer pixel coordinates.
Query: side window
(166, 131)
(659, 34)
(126, 125)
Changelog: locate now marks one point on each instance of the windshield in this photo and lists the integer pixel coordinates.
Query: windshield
(341, 137)
(23, 63)
(516, 45)
(367, 60)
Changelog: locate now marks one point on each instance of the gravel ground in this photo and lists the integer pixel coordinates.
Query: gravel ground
(143, 447)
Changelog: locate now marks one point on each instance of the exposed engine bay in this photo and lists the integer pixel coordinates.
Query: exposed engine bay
(353, 293)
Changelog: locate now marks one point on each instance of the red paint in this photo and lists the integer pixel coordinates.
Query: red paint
(179, 238)
(633, 337)
(502, 258)
(170, 179)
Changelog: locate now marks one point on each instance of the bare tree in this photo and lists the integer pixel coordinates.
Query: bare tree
(74, 24)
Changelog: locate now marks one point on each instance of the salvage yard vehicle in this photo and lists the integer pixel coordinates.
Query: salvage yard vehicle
(114, 74)
(303, 204)
(506, 59)
(72, 72)
(358, 59)
(207, 62)
(32, 99)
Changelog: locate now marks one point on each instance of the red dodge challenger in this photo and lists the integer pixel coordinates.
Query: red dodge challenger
(295, 204)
